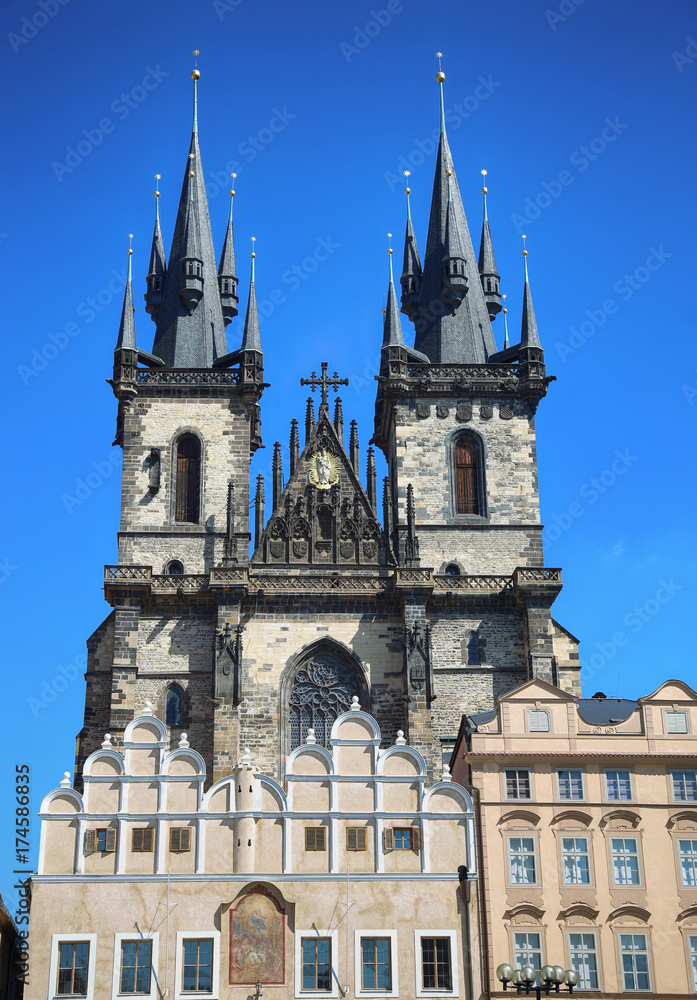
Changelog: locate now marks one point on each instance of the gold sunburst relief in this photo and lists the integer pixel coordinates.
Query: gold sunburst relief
(323, 470)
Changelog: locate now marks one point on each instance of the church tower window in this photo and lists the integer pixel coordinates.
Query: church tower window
(322, 689)
(188, 479)
(469, 476)
(173, 713)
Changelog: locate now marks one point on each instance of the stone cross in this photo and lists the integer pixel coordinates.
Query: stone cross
(324, 382)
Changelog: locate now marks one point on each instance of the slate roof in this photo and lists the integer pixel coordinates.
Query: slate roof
(605, 711)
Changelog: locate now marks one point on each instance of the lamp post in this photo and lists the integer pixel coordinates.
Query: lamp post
(527, 980)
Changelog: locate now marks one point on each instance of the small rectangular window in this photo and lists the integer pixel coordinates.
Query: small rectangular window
(687, 850)
(618, 786)
(521, 860)
(315, 838)
(635, 962)
(73, 961)
(583, 955)
(317, 963)
(527, 949)
(692, 943)
(517, 784)
(180, 839)
(575, 861)
(376, 971)
(197, 966)
(625, 861)
(570, 785)
(105, 840)
(684, 786)
(355, 838)
(676, 722)
(404, 838)
(538, 721)
(142, 840)
(136, 963)
(435, 964)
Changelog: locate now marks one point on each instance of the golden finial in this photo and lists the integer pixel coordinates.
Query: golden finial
(525, 252)
(484, 173)
(232, 189)
(383, 301)
(130, 240)
(407, 174)
(157, 185)
(389, 247)
(441, 75)
(254, 239)
(195, 75)
(504, 303)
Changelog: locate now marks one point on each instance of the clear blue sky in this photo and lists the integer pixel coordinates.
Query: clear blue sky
(596, 94)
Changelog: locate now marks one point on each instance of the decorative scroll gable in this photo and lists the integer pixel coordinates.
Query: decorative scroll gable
(323, 516)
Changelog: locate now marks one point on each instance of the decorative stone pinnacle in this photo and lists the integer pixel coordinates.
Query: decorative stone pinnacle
(66, 782)
(355, 704)
(247, 758)
(106, 745)
(310, 738)
(446, 776)
(148, 709)
(400, 741)
(183, 742)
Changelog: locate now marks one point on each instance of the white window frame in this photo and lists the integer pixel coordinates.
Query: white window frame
(526, 931)
(626, 854)
(682, 771)
(594, 934)
(571, 798)
(183, 936)
(644, 951)
(517, 798)
(539, 714)
(514, 836)
(454, 970)
(575, 853)
(692, 855)
(674, 713)
(619, 770)
(313, 932)
(692, 957)
(58, 939)
(358, 963)
(119, 938)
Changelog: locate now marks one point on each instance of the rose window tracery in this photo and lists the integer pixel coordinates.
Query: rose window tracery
(322, 690)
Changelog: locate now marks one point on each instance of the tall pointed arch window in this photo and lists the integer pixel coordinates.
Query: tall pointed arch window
(469, 492)
(322, 689)
(173, 707)
(188, 487)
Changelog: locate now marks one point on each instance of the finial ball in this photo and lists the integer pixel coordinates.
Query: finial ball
(407, 190)
(485, 190)
(440, 76)
(195, 74)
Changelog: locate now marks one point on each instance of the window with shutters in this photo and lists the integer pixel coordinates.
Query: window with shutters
(100, 840)
(402, 838)
(676, 722)
(180, 839)
(356, 838)
(188, 479)
(315, 838)
(468, 475)
(142, 840)
(538, 720)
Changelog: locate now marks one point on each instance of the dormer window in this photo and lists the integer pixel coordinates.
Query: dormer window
(676, 722)
(538, 720)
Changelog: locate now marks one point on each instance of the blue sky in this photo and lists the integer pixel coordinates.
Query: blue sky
(581, 112)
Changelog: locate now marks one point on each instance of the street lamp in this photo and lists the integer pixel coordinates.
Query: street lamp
(527, 979)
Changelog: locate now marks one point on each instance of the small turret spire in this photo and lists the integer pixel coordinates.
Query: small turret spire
(195, 76)
(127, 331)
(227, 279)
(528, 334)
(158, 267)
(441, 79)
(392, 335)
(488, 274)
(251, 339)
(411, 268)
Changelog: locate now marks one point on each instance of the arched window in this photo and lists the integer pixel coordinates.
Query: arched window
(452, 569)
(188, 479)
(175, 568)
(173, 712)
(469, 476)
(473, 648)
(322, 689)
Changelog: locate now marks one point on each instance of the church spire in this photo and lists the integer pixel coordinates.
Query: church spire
(392, 335)
(411, 268)
(227, 279)
(450, 328)
(190, 327)
(528, 334)
(454, 277)
(251, 338)
(158, 268)
(488, 274)
(127, 330)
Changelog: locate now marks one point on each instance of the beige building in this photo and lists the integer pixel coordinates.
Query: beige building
(588, 835)
(343, 882)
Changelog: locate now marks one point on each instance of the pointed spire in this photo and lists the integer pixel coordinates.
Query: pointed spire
(371, 477)
(190, 329)
(411, 268)
(392, 335)
(528, 334)
(158, 267)
(277, 472)
(441, 80)
(309, 419)
(388, 511)
(339, 419)
(488, 274)
(454, 277)
(227, 278)
(506, 342)
(259, 511)
(127, 330)
(195, 76)
(294, 445)
(354, 452)
(251, 338)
